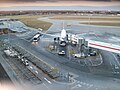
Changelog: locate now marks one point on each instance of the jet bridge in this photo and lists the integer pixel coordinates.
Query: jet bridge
(104, 46)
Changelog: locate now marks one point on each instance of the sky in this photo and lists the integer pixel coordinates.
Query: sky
(12, 3)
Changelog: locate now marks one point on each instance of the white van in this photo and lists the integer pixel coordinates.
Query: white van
(61, 52)
(79, 55)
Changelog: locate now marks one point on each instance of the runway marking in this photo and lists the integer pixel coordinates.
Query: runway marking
(46, 86)
(36, 72)
(87, 84)
(116, 72)
(111, 63)
(83, 83)
(116, 59)
(91, 85)
(47, 80)
(31, 67)
(96, 88)
(77, 86)
(112, 67)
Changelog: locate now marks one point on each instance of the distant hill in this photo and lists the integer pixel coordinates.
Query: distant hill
(111, 8)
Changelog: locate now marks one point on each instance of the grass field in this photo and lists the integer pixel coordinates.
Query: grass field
(31, 21)
(103, 18)
(103, 23)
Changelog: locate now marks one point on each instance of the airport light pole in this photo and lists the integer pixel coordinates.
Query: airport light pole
(54, 42)
(89, 20)
(8, 26)
(9, 33)
(58, 40)
(69, 52)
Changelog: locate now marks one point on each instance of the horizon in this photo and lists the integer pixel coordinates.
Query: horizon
(83, 8)
(96, 3)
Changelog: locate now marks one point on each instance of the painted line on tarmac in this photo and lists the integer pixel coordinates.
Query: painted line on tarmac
(46, 86)
(31, 67)
(76, 86)
(36, 72)
(47, 80)
(116, 59)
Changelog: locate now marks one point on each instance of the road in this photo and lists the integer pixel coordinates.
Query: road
(4, 76)
(112, 62)
(86, 80)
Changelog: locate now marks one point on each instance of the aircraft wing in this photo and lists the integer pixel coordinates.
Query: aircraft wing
(50, 35)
